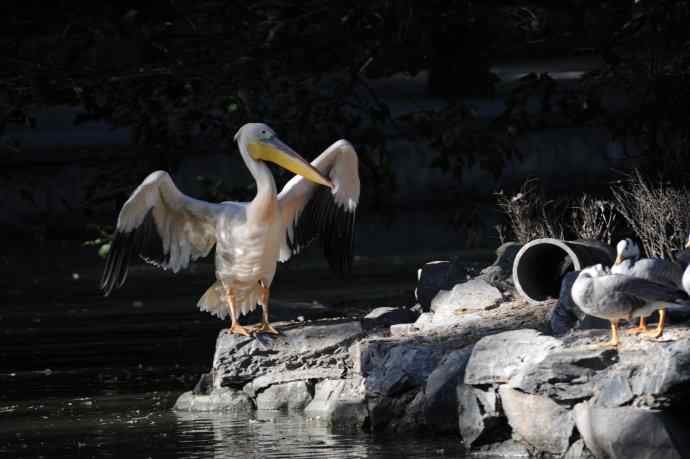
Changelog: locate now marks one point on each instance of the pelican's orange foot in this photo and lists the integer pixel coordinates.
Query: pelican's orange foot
(265, 327)
(239, 329)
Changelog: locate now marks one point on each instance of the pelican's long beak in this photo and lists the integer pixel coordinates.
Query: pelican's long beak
(687, 244)
(277, 152)
(619, 260)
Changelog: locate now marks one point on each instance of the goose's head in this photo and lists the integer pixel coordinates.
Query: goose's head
(626, 249)
(258, 142)
(593, 271)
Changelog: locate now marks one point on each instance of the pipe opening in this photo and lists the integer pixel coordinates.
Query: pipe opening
(540, 269)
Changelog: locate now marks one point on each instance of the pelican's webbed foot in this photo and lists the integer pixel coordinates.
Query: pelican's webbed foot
(265, 327)
(239, 329)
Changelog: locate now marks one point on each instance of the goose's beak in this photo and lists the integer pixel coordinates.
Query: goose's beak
(275, 151)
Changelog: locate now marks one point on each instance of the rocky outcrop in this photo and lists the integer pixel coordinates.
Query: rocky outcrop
(496, 378)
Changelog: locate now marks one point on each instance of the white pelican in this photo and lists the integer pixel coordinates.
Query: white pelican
(250, 237)
(629, 263)
(615, 296)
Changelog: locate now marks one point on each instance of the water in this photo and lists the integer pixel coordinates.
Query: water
(84, 376)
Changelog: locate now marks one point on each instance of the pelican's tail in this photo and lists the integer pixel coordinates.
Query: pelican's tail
(215, 300)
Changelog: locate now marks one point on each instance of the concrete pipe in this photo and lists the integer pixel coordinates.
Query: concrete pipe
(540, 265)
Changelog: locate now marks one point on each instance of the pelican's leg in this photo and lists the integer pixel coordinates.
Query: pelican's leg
(235, 326)
(660, 326)
(614, 335)
(265, 327)
(641, 329)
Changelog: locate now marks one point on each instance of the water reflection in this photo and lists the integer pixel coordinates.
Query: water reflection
(273, 434)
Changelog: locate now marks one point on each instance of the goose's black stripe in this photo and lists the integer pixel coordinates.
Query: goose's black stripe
(324, 219)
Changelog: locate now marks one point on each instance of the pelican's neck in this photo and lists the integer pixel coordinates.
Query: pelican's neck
(265, 184)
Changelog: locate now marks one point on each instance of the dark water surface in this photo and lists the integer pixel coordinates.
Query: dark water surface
(86, 376)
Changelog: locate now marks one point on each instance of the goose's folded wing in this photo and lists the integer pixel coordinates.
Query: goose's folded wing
(312, 211)
(641, 289)
(163, 226)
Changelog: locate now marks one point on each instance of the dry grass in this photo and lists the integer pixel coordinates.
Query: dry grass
(531, 215)
(594, 219)
(658, 213)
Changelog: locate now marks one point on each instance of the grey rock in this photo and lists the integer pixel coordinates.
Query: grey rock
(395, 371)
(500, 273)
(221, 399)
(478, 414)
(578, 450)
(424, 321)
(340, 402)
(625, 432)
(386, 316)
(509, 449)
(613, 391)
(293, 395)
(393, 366)
(302, 351)
(435, 276)
(402, 330)
(393, 413)
(255, 387)
(539, 421)
(660, 370)
(439, 395)
(497, 358)
(566, 375)
(205, 385)
(473, 294)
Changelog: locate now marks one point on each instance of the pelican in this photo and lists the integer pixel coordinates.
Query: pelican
(250, 238)
(616, 296)
(658, 270)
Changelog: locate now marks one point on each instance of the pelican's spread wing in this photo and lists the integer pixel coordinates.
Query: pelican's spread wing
(162, 225)
(310, 210)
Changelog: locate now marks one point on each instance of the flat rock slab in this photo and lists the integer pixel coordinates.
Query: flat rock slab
(306, 350)
(497, 358)
(539, 421)
(222, 399)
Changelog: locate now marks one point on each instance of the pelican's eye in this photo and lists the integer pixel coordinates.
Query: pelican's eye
(265, 134)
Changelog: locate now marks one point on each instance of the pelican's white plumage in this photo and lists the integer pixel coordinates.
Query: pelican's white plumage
(170, 229)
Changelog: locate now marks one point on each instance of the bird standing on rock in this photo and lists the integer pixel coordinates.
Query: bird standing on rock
(169, 229)
(615, 296)
(666, 272)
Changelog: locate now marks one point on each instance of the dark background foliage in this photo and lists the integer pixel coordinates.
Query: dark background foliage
(184, 75)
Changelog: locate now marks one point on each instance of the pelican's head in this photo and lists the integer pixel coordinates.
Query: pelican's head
(262, 144)
(626, 249)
